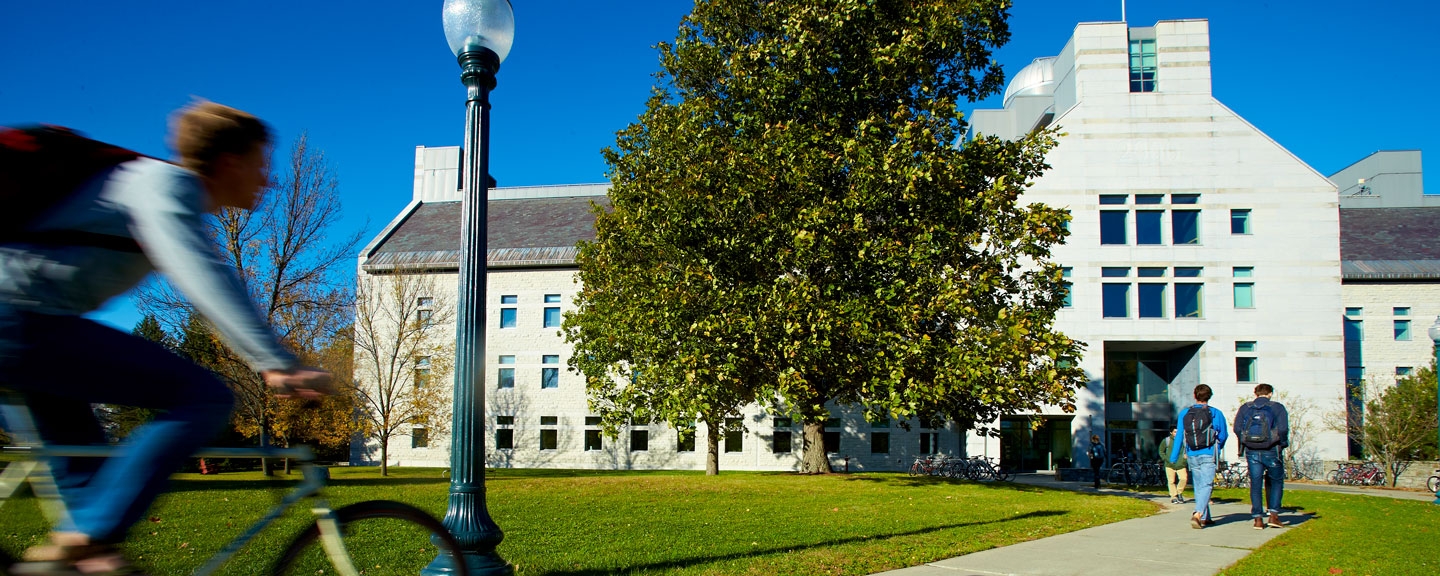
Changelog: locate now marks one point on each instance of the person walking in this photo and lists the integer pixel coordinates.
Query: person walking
(97, 242)
(1097, 458)
(1202, 436)
(1262, 427)
(1176, 473)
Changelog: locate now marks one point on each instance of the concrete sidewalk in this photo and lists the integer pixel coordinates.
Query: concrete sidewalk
(1160, 544)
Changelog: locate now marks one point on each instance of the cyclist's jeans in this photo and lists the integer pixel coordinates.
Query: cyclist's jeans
(63, 364)
(1202, 475)
(1265, 465)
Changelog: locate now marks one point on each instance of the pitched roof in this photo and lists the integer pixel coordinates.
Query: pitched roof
(522, 232)
(1390, 243)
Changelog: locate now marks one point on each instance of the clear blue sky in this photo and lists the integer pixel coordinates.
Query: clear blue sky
(1330, 80)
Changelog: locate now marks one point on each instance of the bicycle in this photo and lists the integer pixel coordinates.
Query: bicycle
(365, 534)
(1433, 483)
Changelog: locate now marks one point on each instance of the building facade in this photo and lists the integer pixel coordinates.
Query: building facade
(1201, 251)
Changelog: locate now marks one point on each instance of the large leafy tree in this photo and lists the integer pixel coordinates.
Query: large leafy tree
(795, 217)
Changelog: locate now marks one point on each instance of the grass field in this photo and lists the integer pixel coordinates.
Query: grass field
(591, 522)
(1349, 535)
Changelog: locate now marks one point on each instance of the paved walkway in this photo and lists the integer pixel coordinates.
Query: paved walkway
(1160, 544)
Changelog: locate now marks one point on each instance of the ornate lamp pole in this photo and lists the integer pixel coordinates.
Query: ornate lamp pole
(480, 33)
(1435, 338)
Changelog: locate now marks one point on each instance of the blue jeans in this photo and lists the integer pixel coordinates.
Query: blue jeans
(63, 364)
(1265, 465)
(1202, 474)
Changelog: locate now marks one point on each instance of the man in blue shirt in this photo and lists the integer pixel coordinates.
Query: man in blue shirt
(1202, 432)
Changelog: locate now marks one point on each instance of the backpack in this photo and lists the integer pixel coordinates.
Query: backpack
(1259, 429)
(1097, 451)
(1199, 427)
(40, 168)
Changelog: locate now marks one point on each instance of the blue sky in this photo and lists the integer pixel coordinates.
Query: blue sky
(1331, 81)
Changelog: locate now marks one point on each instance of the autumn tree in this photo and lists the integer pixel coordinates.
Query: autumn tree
(1398, 423)
(404, 351)
(795, 216)
(292, 263)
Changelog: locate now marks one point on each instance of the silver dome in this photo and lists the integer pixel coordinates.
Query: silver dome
(1036, 79)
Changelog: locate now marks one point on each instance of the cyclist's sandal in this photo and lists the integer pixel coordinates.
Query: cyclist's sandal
(84, 560)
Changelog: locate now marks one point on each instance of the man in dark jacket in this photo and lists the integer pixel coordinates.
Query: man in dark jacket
(1263, 428)
(1097, 458)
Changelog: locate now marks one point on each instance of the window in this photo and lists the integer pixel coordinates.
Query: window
(507, 317)
(425, 302)
(1245, 369)
(1240, 221)
(1149, 198)
(734, 435)
(1354, 311)
(552, 298)
(639, 440)
(1111, 199)
(1403, 370)
(592, 441)
(549, 439)
(1147, 226)
(1187, 272)
(507, 375)
(425, 316)
(1184, 198)
(1185, 226)
(504, 420)
(685, 439)
(1069, 298)
(419, 438)
(1402, 330)
(1244, 346)
(1402, 311)
(1244, 291)
(549, 420)
(552, 317)
(1152, 300)
(780, 444)
(1354, 330)
(1115, 300)
(422, 372)
(929, 442)
(1152, 272)
(1188, 300)
(550, 377)
(879, 442)
(504, 439)
(1114, 272)
(509, 299)
(832, 438)
(1112, 226)
(1142, 65)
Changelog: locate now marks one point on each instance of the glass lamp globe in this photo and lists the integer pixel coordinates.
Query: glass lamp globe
(471, 24)
(1435, 331)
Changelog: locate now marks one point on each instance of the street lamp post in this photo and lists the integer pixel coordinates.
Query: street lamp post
(480, 33)
(1435, 339)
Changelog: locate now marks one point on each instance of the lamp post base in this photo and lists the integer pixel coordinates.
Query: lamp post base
(476, 564)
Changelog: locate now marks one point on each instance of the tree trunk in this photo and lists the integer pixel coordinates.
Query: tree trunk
(712, 449)
(814, 460)
(384, 456)
(264, 436)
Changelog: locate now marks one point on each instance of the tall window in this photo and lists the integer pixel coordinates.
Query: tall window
(592, 434)
(639, 440)
(419, 437)
(734, 434)
(1147, 226)
(1244, 289)
(1068, 287)
(1115, 300)
(1152, 300)
(929, 442)
(1354, 330)
(1142, 65)
(880, 437)
(504, 432)
(685, 438)
(1240, 221)
(1112, 226)
(549, 437)
(507, 375)
(832, 437)
(1185, 226)
(550, 377)
(552, 313)
(507, 315)
(781, 441)
(1402, 330)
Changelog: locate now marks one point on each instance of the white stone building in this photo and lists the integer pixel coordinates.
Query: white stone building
(1201, 250)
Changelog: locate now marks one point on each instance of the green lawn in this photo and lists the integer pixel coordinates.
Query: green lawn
(588, 522)
(1349, 535)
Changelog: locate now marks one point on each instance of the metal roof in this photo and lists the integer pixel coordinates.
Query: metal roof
(1390, 243)
(523, 232)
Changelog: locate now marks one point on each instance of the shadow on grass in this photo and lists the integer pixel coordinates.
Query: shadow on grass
(696, 561)
(909, 481)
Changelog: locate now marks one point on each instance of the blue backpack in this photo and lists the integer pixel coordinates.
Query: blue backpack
(1258, 430)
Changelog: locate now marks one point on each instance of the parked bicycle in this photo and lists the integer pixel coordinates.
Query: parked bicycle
(1356, 474)
(1131, 472)
(1232, 475)
(1433, 483)
(974, 468)
(367, 535)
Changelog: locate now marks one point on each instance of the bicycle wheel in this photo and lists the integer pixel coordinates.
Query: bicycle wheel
(916, 469)
(380, 537)
(1433, 484)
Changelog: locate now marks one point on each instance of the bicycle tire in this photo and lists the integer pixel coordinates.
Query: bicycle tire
(1433, 484)
(915, 469)
(390, 535)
